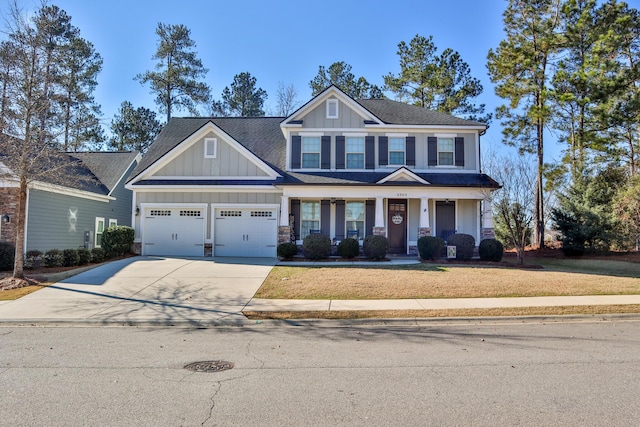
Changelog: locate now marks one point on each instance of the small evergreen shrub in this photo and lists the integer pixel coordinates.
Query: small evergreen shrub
(430, 247)
(287, 250)
(117, 241)
(573, 247)
(316, 246)
(491, 250)
(97, 255)
(54, 258)
(33, 259)
(84, 256)
(375, 247)
(464, 243)
(348, 248)
(71, 257)
(7, 254)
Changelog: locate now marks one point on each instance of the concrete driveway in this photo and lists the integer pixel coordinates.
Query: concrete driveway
(148, 290)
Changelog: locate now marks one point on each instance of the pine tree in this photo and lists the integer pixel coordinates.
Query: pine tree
(177, 80)
(340, 75)
(133, 128)
(243, 99)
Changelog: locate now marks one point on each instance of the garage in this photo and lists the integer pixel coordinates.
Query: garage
(245, 232)
(174, 231)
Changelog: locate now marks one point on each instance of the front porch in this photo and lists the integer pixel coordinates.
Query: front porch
(400, 216)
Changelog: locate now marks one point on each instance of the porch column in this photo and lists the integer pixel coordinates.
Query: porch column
(423, 227)
(487, 231)
(378, 228)
(284, 229)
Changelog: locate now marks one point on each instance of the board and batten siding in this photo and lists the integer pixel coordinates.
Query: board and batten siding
(239, 198)
(467, 211)
(317, 118)
(228, 162)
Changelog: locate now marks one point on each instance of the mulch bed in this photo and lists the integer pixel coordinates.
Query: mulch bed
(9, 283)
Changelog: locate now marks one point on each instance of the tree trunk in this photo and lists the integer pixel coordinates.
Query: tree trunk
(18, 265)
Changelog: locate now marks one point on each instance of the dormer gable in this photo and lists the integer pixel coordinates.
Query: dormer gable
(403, 175)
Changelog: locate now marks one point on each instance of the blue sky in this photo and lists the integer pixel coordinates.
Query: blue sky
(282, 41)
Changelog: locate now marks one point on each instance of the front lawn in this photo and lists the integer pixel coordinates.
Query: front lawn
(557, 277)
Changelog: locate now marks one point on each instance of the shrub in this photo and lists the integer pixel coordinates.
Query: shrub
(84, 256)
(491, 250)
(71, 257)
(97, 255)
(349, 248)
(316, 246)
(33, 259)
(375, 247)
(287, 250)
(7, 254)
(464, 243)
(117, 241)
(54, 258)
(430, 247)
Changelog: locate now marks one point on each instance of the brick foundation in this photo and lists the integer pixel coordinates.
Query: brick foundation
(424, 231)
(8, 206)
(487, 233)
(379, 231)
(208, 249)
(284, 234)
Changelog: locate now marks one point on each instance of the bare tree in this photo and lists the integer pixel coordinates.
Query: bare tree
(286, 97)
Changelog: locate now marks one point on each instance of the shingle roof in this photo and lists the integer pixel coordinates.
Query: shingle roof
(107, 166)
(368, 178)
(399, 113)
(260, 135)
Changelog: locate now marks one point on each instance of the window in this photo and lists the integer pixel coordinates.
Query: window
(396, 151)
(210, 147)
(99, 231)
(445, 151)
(113, 222)
(309, 218)
(354, 214)
(311, 152)
(332, 108)
(355, 152)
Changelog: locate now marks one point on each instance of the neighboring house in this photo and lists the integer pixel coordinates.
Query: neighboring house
(337, 166)
(72, 215)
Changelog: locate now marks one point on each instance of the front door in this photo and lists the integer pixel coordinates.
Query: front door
(445, 219)
(397, 223)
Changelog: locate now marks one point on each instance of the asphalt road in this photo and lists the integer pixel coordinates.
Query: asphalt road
(556, 374)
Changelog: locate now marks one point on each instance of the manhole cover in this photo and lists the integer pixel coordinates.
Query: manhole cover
(210, 366)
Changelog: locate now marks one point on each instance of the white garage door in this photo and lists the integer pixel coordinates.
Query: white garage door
(174, 232)
(245, 232)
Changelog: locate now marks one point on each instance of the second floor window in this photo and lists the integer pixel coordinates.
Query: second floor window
(445, 151)
(396, 151)
(311, 152)
(355, 152)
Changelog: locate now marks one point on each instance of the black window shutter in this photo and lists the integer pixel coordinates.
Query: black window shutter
(383, 150)
(325, 217)
(411, 150)
(432, 150)
(340, 152)
(370, 152)
(325, 152)
(459, 151)
(296, 151)
(295, 211)
(369, 217)
(340, 220)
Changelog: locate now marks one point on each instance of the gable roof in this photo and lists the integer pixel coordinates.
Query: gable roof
(260, 135)
(399, 113)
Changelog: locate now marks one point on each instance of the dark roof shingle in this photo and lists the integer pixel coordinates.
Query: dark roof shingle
(399, 113)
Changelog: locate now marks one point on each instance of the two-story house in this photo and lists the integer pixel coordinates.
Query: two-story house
(238, 186)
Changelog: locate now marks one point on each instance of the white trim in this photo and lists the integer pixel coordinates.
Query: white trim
(355, 134)
(310, 134)
(207, 141)
(215, 177)
(113, 221)
(387, 191)
(335, 102)
(200, 188)
(199, 134)
(52, 188)
(136, 160)
(445, 135)
(396, 135)
(403, 171)
(26, 220)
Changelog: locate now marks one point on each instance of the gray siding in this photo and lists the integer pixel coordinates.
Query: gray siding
(347, 118)
(121, 208)
(208, 198)
(228, 162)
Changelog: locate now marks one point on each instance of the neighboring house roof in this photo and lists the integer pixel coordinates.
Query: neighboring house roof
(260, 135)
(399, 113)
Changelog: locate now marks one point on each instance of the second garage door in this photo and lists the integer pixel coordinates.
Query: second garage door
(245, 232)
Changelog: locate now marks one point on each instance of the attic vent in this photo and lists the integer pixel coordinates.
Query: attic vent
(332, 108)
(158, 212)
(266, 214)
(190, 213)
(230, 213)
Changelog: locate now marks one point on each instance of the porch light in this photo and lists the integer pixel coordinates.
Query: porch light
(6, 218)
(137, 210)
